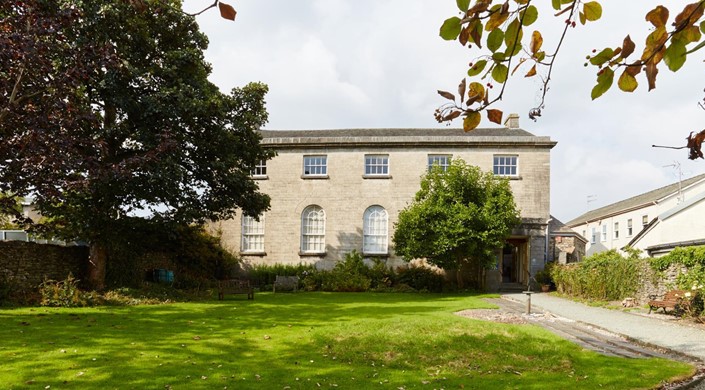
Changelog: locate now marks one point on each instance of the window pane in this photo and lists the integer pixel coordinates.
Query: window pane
(505, 165)
(375, 233)
(252, 234)
(313, 229)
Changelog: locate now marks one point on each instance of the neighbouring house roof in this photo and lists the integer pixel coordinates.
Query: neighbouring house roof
(486, 137)
(634, 203)
(558, 228)
(667, 247)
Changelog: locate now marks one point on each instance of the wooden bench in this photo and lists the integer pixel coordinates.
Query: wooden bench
(288, 283)
(235, 286)
(671, 300)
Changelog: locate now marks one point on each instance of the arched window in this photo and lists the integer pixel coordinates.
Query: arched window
(375, 232)
(313, 230)
(252, 234)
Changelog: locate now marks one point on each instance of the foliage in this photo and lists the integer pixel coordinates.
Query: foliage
(349, 275)
(106, 109)
(65, 293)
(693, 280)
(196, 256)
(344, 341)
(543, 277)
(459, 216)
(508, 46)
(264, 275)
(420, 278)
(605, 276)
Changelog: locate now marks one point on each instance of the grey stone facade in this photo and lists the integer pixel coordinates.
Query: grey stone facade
(27, 264)
(345, 192)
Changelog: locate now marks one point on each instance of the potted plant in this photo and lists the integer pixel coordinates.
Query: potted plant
(544, 279)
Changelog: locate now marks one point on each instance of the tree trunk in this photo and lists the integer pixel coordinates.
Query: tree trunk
(97, 260)
(459, 278)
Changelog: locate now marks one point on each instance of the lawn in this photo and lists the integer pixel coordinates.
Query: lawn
(302, 341)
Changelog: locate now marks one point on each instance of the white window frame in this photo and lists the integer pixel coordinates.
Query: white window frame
(593, 238)
(375, 228)
(313, 230)
(644, 220)
(259, 170)
(376, 165)
(630, 229)
(442, 160)
(616, 231)
(252, 234)
(506, 165)
(315, 165)
(604, 233)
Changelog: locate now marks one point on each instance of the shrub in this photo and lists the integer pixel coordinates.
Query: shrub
(263, 275)
(602, 276)
(693, 258)
(420, 278)
(65, 293)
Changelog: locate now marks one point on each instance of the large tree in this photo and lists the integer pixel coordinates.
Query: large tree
(106, 110)
(504, 42)
(459, 218)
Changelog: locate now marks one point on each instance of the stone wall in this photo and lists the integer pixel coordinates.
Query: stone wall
(28, 263)
(656, 283)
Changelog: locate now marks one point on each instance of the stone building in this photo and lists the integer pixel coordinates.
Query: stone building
(564, 245)
(335, 191)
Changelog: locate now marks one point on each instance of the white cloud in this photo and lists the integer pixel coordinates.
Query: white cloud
(369, 63)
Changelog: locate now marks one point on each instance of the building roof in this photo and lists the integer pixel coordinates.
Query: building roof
(635, 202)
(558, 228)
(404, 137)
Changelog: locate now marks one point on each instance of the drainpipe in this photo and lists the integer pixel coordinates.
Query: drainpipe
(545, 252)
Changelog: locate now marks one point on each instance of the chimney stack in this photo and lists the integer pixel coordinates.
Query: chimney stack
(512, 121)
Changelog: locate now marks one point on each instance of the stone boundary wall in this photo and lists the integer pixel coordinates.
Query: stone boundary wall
(656, 283)
(27, 264)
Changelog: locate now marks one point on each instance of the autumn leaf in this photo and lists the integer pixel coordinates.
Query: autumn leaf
(536, 42)
(476, 92)
(627, 47)
(651, 72)
(446, 95)
(627, 82)
(592, 11)
(495, 116)
(472, 119)
(658, 16)
(496, 19)
(227, 11)
(461, 88)
(691, 13)
(531, 72)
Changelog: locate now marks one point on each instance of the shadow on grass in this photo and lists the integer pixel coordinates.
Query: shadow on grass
(349, 340)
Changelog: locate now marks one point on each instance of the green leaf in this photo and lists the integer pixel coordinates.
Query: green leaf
(500, 73)
(702, 27)
(495, 39)
(675, 56)
(696, 48)
(602, 57)
(463, 5)
(592, 10)
(556, 4)
(513, 34)
(604, 82)
(450, 29)
(529, 15)
(627, 82)
(476, 68)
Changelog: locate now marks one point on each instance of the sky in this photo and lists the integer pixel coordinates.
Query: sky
(378, 63)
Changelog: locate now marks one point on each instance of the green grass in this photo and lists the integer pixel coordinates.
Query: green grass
(302, 341)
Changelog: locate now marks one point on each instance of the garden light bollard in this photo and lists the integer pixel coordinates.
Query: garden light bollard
(528, 301)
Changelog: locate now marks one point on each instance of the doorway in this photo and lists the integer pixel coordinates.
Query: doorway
(513, 264)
